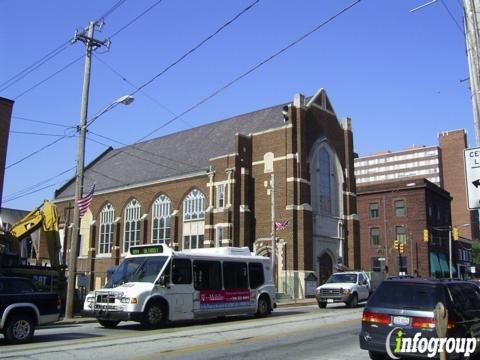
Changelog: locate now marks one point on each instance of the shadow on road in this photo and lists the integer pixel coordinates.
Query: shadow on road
(218, 320)
(56, 337)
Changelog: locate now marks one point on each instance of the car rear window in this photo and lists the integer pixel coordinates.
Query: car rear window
(406, 295)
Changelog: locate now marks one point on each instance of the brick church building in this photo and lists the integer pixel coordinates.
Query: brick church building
(208, 187)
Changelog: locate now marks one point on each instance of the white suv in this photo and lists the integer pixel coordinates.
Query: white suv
(348, 287)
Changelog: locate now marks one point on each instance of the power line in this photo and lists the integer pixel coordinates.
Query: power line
(33, 133)
(48, 77)
(55, 52)
(35, 152)
(40, 121)
(241, 76)
(112, 9)
(135, 19)
(29, 190)
(144, 151)
(29, 69)
(260, 64)
(453, 18)
(117, 73)
(195, 48)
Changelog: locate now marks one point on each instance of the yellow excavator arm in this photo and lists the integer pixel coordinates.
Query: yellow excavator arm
(47, 219)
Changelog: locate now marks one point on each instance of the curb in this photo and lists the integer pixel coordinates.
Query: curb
(299, 303)
(79, 320)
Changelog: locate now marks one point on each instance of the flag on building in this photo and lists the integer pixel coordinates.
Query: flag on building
(84, 202)
(281, 225)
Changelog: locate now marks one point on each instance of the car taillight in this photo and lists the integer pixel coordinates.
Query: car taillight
(428, 323)
(376, 318)
(423, 323)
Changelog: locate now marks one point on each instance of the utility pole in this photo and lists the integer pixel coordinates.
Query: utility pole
(91, 44)
(472, 39)
(274, 232)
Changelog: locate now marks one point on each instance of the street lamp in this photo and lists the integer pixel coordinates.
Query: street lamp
(82, 129)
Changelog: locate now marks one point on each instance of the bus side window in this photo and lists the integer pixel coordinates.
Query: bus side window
(235, 275)
(207, 275)
(182, 271)
(255, 271)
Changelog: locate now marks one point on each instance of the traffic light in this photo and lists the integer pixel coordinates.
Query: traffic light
(395, 244)
(401, 249)
(455, 233)
(425, 235)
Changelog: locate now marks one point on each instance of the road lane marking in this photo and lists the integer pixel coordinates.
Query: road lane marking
(242, 341)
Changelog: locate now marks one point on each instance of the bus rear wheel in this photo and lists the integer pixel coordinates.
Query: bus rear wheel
(153, 316)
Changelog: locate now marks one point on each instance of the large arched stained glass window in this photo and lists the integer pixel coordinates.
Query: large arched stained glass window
(193, 220)
(161, 212)
(107, 223)
(131, 221)
(325, 182)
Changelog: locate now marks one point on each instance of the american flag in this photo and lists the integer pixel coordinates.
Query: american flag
(281, 225)
(85, 201)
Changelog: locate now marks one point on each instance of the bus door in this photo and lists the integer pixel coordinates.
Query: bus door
(180, 291)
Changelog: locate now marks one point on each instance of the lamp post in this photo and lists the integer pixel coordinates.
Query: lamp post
(270, 185)
(82, 130)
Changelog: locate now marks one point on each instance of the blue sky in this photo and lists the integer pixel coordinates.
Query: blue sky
(397, 74)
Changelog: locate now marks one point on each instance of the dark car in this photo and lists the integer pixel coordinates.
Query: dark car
(404, 308)
(23, 307)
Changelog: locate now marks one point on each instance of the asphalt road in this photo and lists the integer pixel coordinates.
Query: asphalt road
(303, 332)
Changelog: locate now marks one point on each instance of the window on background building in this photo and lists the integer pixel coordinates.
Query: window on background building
(403, 265)
(161, 211)
(373, 210)
(193, 220)
(375, 236)
(399, 207)
(401, 234)
(131, 234)
(220, 195)
(107, 226)
(219, 236)
(376, 265)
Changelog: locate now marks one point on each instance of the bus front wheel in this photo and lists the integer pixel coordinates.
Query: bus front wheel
(153, 316)
(109, 324)
(263, 307)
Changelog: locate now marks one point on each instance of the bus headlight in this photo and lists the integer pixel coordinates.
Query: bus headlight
(90, 299)
(125, 300)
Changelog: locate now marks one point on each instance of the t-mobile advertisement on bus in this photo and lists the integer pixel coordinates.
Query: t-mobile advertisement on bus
(222, 299)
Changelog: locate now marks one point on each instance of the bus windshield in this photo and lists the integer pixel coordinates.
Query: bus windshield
(137, 269)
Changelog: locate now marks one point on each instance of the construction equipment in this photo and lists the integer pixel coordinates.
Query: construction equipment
(44, 218)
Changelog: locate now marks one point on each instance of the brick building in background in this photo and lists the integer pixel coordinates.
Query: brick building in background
(206, 187)
(443, 165)
(6, 107)
(400, 210)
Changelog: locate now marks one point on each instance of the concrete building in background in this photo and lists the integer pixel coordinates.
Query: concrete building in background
(6, 107)
(208, 187)
(441, 164)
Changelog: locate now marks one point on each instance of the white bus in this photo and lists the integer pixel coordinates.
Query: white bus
(155, 284)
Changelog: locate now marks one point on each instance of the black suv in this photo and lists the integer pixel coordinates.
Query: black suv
(23, 307)
(406, 306)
